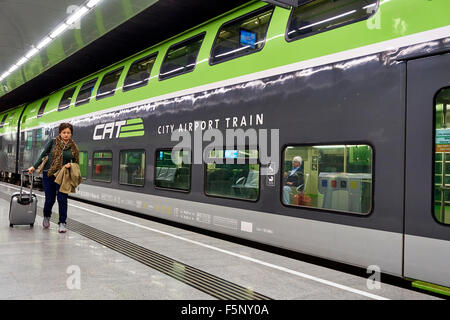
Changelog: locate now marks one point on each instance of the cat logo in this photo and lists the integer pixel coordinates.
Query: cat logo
(119, 129)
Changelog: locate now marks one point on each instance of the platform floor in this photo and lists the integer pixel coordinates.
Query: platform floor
(34, 263)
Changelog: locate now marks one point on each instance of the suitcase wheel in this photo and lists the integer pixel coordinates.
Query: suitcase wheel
(11, 225)
(31, 225)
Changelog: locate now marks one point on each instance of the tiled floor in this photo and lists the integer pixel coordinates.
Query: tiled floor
(34, 263)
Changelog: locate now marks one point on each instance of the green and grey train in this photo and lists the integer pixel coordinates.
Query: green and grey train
(359, 89)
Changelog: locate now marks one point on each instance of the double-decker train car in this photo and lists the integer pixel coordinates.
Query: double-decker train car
(9, 127)
(351, 94)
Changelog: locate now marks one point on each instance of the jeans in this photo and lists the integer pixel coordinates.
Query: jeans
(52, 193)
(287, 190)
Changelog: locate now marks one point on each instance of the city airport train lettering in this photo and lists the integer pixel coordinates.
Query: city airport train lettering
(119, 129)
(229, 122)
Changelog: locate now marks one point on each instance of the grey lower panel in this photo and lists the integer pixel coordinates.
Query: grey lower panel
(352, 245)
(427, 259)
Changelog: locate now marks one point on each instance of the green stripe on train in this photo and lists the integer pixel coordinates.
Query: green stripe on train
(134, 121)
(431, 287)
(132, 134)
(132, 128)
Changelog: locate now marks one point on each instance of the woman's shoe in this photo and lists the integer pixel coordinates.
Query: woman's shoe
(62, 228)
(46, 222)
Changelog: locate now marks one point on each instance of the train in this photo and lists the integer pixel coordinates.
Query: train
(352, 94)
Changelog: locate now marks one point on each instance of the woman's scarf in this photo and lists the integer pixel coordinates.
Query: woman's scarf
(57, 154)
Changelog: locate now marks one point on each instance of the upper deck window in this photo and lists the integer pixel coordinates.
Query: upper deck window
(181, 57)
(66, 99)
(3, 120)
(84, 96)
(109, 84)
(322, 15)
(42, 108)
(242, 36)
(139, 73)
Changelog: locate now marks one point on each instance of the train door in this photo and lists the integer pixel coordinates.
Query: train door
(427, 185)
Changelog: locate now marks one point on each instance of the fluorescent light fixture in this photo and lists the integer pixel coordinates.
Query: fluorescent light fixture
(21, 61)
(54, 34)
(13, 68)
(31, 53)
(58, 30)
(92, 3)
(77, 15)
(44, 42)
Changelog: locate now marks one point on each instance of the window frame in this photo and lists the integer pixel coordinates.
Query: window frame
(201, 34)
(68, 106)
(433, 166)
(326, 210)
(205, 170)
(87, 164)
(172, 189)
(286, 37)
(2, 123)
(150, 56)
(145, 168)
(104, 96)
(78, 103)
(254, 12)
(43, 105)
(93, 166)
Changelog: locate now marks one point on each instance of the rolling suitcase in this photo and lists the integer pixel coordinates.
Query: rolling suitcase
(23, 206)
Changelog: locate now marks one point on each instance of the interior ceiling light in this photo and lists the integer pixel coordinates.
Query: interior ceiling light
(84, 9)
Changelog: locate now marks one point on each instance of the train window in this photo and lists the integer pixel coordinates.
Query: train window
(38, 138)
(2, 123)
(172, 173)
(102, 166)
(139, 73)
(66, 99)
(29, 140)
(108, 85)
(132, 167)
(332, 177)
(42, 108)
(181, 57)
(242, 36)
(322, 15)
(442, 157)
(233, 174)
(83, 159)
(84, 96)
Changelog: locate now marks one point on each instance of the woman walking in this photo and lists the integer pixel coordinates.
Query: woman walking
(61, 151)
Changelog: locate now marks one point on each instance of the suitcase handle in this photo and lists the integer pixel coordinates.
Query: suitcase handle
(31, 185)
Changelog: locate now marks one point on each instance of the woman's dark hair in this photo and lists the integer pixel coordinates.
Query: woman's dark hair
(63, 126)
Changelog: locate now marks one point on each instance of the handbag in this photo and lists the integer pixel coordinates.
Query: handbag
(41, 166)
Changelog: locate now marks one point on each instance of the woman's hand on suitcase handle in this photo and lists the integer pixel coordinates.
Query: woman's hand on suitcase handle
(68, 166)
(31, 170)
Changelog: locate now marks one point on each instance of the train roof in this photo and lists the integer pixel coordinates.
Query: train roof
(415, 17)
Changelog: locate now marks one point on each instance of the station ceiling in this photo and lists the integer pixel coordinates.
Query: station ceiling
(115, 30)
